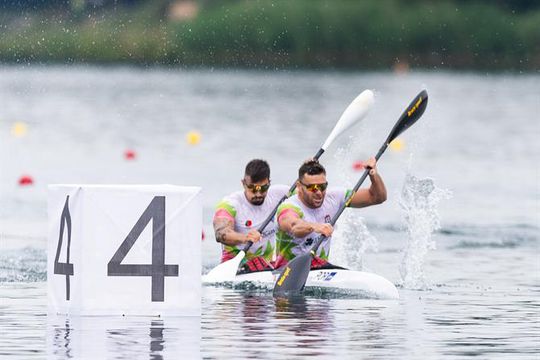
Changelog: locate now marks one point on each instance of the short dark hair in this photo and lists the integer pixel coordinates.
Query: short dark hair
(257, 170)
(311, 167)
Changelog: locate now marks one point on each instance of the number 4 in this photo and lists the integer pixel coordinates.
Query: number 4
(158, 269)
(64, 268)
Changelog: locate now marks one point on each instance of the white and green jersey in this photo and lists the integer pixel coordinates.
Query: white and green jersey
(246, 217)
(289, 247)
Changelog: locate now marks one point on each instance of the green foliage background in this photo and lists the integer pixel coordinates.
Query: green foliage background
(277, 33)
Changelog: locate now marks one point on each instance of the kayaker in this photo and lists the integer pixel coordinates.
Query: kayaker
(306, 215)
(239, 215)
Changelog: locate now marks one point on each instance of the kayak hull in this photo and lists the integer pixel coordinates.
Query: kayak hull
(366, 284)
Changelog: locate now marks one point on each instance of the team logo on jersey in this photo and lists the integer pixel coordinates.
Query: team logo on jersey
(249, 223)
(327, 219)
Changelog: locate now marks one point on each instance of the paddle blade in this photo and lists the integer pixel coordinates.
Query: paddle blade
(293, 276)
(356, 111)
(413, 112)
(226, 271)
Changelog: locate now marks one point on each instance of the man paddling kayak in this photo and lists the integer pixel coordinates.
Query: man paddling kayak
(304, 216)
(239, 215)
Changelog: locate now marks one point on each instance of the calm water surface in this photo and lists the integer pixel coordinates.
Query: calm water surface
(469, 281)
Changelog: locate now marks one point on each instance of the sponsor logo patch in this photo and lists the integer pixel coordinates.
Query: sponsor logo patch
(326, 275)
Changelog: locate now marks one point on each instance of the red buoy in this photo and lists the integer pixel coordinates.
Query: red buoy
(26, 180)
(130, 154)
(358, 165)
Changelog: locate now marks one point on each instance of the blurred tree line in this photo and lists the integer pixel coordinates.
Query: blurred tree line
(510, 5)
(464, 34)
(61, 4)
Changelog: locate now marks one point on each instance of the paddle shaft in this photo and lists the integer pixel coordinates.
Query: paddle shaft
(285, 197)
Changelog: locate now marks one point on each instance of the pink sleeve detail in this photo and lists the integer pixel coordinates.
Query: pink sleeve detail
(222, 213)
(287, 212)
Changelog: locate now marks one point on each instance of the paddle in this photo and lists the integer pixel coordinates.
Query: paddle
(293, 276)
(355, 112)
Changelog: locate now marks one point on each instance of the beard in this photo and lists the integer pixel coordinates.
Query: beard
(313, 202)
(257, 200)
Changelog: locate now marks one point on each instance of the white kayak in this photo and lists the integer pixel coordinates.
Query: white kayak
(361, 283)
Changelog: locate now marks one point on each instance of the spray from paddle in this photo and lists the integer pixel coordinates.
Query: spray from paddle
(419, 200)
(353, 240)
(352, 237)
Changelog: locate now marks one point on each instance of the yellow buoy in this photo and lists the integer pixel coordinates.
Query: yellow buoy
(397, 144)
(19, 129)
(193, 137)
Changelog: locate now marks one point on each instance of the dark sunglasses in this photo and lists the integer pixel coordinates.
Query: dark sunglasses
(257, 188)
(314, 187)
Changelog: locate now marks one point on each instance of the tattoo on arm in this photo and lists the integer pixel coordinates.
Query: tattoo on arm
(221, 228)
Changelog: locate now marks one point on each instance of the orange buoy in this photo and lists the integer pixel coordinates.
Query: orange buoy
(26, 180)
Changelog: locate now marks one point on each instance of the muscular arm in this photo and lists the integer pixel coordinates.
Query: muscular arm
(300, 228)
(376, 193)
(225, 234)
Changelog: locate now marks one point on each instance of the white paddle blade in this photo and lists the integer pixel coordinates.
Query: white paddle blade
(356, 111)
(225, 271)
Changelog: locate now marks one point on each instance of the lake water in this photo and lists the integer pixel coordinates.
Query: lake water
(465, 254)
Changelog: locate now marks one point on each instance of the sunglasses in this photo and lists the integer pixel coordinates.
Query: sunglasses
(257, 188)
(314, 187)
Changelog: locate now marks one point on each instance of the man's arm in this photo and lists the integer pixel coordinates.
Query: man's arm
(297, 227)
(225, 234)
(376, 194)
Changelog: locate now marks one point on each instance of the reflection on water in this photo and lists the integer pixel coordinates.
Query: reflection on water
(103, 337)
(61, 341)
(447, 321)
(156, 342)
(293, 327)
(304, 322)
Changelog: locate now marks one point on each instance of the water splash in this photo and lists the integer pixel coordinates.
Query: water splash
(419, 199)
(352, 239)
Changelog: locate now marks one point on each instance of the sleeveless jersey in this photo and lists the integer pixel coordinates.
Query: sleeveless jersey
(247, 216)
(289, 247)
